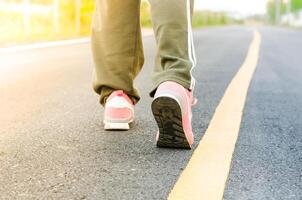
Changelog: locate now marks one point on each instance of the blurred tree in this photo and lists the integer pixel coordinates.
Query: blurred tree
(296, 5)
(87, 8)
(271, 9)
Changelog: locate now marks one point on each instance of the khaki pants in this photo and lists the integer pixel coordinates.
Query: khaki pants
(118, 50)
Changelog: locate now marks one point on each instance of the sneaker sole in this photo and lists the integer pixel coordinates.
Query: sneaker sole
(114, 126)
(167, 114)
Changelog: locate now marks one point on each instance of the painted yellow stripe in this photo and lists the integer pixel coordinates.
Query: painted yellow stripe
(206, 174)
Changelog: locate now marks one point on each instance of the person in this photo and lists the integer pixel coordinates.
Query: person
(118, 56)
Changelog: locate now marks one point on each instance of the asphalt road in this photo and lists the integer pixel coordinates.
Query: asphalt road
(52, 143)
(268, 159)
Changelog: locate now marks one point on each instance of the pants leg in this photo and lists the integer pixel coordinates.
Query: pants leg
(117, 47)
(175, 57)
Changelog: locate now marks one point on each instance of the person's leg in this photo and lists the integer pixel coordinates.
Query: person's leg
(117, 47)
(173, 80)
(175, 57)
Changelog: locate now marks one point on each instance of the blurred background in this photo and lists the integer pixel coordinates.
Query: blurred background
(27, 21)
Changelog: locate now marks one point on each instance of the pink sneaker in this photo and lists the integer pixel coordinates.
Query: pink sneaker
(119, 111)
(171, 108)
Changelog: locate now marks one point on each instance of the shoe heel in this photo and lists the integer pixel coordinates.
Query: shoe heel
(167, 114)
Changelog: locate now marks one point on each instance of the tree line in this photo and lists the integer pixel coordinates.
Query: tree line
(295, 5)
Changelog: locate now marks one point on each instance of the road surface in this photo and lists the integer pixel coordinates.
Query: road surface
(53, 146)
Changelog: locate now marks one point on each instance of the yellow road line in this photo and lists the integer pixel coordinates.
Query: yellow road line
(206, 174)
